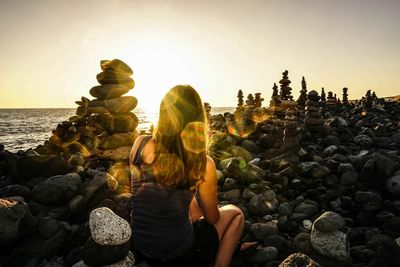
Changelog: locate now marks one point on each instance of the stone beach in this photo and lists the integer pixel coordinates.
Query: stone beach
(318, 180)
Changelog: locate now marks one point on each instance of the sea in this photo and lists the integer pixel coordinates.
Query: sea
(22, 129)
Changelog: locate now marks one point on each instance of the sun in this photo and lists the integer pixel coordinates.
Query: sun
(158, 64)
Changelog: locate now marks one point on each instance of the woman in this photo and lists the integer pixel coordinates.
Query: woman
(175, 215)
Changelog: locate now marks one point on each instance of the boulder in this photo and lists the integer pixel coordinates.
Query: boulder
(115, 65)
(98, 255)
(264, 254)
(263, 230)
(15, 220)
(107, 228)
(298, 260)
(115, 78)
(332, 244)
(114, 123)
(121, 104)
(107, 91)
(57, 190)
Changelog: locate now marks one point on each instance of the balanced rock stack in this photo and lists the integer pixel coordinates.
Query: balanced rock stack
(290, 134)
(313, 121)
(286, 93)
(327, 239)
(109, 241)
(345, 99)
(275, 108)
(104, 126)
(301, 101)
(110, 113)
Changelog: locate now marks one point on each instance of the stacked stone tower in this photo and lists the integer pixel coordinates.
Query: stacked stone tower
(345, 99)
(303, 93)
(105, 126)
(313, 121)
(290, 133)
(286, 91)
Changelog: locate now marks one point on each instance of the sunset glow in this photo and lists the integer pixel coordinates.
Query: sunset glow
(52, 49)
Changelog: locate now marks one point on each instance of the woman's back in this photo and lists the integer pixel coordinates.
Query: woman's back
(161, 226)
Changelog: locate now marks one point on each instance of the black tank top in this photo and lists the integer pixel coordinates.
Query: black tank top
(161, 226)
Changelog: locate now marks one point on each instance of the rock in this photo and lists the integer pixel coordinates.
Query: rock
(232, 194)
(332, 244)
(107, 91)
(40, 166)
(307, 224)
(123, 104)
(259, 206)
(248, 193)
(57, 190)
(263, 230)
(250, 146)
(298, 260)
(307, 166)
(307, 209)
(38, 247)
(107, 228)
(115, 140)
(349, 178)
(367, 196)
(117, 154)
(15, 220)
(115, 123)
(392, 185)
(48, 226)
(384, 165)
(363, 140)
(127, 262)
(97, 255)
(15, 190)
(345, 167)
(229, 184)
(115, 78)
(264, 254)
(329, 221)
(76, 160)
(115, 65)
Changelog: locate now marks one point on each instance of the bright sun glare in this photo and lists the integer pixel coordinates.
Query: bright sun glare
(158, 65)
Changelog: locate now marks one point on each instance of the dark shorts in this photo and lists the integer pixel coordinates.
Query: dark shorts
(202, 252)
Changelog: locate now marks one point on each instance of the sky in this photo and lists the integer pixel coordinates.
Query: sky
(50, 50)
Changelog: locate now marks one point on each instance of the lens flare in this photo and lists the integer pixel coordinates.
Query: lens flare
(194, 137)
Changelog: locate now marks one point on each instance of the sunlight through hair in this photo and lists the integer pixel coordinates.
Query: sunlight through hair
(194, 137)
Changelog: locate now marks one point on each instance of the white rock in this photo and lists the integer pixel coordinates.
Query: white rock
(307, 224)
(107, 228)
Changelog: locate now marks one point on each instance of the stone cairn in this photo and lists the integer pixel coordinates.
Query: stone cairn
(301, 101)
(108, 243)
(313, 120)
(286, 91)
(275, 109)
(290, 133)
(345, 99)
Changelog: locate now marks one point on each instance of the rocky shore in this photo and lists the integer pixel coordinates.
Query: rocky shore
(317, 179)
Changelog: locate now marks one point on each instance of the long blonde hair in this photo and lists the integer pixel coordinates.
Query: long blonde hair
(181, 139)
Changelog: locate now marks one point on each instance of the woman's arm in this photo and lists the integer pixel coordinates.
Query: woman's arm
(208, 194)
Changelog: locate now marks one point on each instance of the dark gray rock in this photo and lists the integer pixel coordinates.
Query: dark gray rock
(264, 254)
(57, 190)
(15, 220)
(97, 255)
(263, 230)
